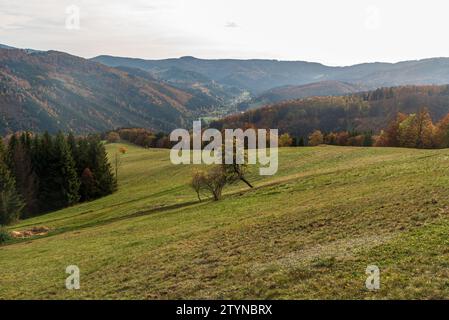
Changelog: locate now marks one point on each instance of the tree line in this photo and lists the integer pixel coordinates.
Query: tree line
(141, 137)
(415, 130)
(342, 138)
(42, 173)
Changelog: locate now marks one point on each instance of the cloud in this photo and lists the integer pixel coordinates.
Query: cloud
(13, 21)
(231, 24)
(283, 29)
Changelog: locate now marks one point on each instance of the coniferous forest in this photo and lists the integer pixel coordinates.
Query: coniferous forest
(42, 173)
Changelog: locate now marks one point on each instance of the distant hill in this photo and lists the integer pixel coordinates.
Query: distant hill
(205, 97)
(323, 88)
(4, 46)
(361, 112)
(57, 91)
(212, 93)
(259, 75)
(224, 95)
(254, 75)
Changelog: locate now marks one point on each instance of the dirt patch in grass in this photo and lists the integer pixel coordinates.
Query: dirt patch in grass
(35, 231)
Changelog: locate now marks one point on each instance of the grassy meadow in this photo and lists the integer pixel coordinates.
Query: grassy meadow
(308, 232)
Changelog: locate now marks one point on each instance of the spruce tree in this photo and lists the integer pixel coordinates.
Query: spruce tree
(73, 146)
(20, 165)
(58, 179)
(42, 160)
(10, 201)
(64, 176)
(9, 156)
(105, 180)
(82, 156)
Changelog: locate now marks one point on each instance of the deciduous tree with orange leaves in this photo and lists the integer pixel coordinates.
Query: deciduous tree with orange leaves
(316, 138)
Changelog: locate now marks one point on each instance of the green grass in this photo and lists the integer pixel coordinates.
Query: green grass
(310, 231)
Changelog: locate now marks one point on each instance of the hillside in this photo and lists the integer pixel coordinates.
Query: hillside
(57, 91)
(4, 46)
(369, 111)
(258, 75)
(308, 232)
(212, 97)
(254, 75)
(324, 88)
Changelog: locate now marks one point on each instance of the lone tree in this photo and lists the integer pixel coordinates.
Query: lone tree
(214, 180)
(235, 171)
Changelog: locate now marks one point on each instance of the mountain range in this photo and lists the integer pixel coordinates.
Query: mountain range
(50, 90)
(258, 76)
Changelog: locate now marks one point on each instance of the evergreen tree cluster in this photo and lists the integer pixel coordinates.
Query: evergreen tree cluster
(41, 173)
(11, 203)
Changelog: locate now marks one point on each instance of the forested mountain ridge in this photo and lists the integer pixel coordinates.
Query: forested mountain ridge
(4, 46)
(56, 91)
(50, 90)
(210, 97)
(258, 75)
(323, 88)
(362, 112)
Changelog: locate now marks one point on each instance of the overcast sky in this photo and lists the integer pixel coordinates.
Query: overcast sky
(331, 32)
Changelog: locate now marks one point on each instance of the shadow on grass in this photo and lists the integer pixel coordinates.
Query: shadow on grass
(106, 221)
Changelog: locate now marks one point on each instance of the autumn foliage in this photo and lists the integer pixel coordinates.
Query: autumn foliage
(415, 130)
(141, 137)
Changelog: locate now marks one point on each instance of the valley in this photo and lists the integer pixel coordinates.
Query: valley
(307, 232)
(51, 91)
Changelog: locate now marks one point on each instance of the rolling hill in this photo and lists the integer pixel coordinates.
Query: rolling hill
(308, 232)
(254, 75)
(324, 88)
(368, 111)
(4, 46)
(57, 91)
(258, 75)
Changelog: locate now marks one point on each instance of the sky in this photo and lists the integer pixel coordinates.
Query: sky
(332, 32)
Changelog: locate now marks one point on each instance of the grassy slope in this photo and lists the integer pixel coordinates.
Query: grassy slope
(308, 232)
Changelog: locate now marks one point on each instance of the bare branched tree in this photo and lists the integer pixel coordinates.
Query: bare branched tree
(215, 179)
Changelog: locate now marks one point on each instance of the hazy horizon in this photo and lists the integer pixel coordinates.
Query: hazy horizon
(226, 58)
(321, 31)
